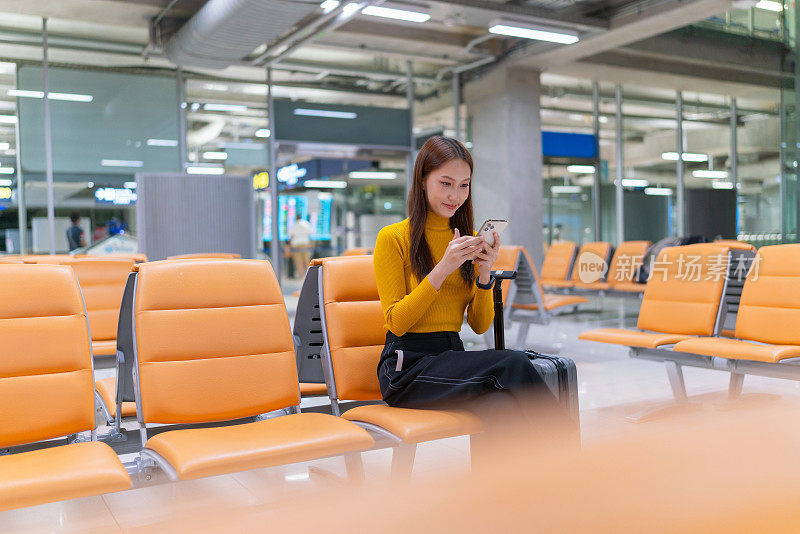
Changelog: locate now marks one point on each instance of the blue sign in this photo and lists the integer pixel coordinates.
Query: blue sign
(568, 145)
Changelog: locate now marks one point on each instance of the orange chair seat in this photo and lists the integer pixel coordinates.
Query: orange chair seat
(630, 287)
(415, 426)
(105, 347)
(632, 338)
(203, 452)
(60, 473)
(552, 302)
(737, 349)
(313, 388)
(557, 283)
(107, 390)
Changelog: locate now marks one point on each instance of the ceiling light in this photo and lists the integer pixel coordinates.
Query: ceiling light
(215, 86)
(6, 170)
(5, 182)
(325, 113)
(325, 184)
(162, 142)
(556, 189)
(581, 169)
(263, 132)
(121, 163)
(89, 185)
(722, 185)
(373, 175)
(71, 97)
(634, 182)
(398, 14)
(710, 174)
(658, 191)
(215, 155)
(243, 146)
(350, 9)
(224, 107)
(5, 146)
(196, 169)
(769, 5)
(328, 6)
(515, 29)
(603, 119)
(129, 185)
(576, 117)
(687, 156)
(8, 119)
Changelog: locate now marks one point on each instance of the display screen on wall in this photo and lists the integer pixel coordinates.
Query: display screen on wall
(568, 145)
(101, 122)
(316, 210)
(341, 125)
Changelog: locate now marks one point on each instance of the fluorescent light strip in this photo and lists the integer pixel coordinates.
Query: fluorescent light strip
(263, 132)
(769, 5)
(687, 156)
(224, 107)
(5, 182)
(244, 146)
(350, 9)
(532, 33)
(325, 113)
(556, 189)
(398, 14)
(325, 184)
(215, 155)
(5, 146)
(70, 97)
(204, 170)
(634, 182)
(373, 175)
(130, 185)
(581, 169)
(710, 174)
(658, 191)
(722, 185)
(328, 6)
(8, 119)
(6, 170)
(162, 142)
(121, 163)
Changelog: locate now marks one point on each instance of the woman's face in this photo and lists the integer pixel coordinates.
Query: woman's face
(447, 187)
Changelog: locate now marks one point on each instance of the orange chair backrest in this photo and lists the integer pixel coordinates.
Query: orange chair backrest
(558, 261)
(507, 259)
(627, 259)
(45, 362)
(136, 257)
(683, 293)
(734, 244)
(354, 325)
(356, 252)
(102, 282)
(598, 248)
(205, 255)
(213, 341)
(46, 259)
(11, 260)
(769, 310)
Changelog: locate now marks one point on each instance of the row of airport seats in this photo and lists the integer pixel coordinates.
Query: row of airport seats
(743, 322)
(198, 331)
(559, 267)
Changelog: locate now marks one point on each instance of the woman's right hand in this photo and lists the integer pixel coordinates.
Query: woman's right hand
(459, 250)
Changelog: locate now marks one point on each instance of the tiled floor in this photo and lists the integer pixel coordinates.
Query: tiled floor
(611, 386)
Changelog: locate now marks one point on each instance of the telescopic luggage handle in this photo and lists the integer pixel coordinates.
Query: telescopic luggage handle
(497, 296)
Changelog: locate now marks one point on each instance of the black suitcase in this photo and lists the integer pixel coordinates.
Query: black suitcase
(559, 373)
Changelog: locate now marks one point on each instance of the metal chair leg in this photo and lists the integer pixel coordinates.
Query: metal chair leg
(735, 386)
(403, 461)
(355, 467)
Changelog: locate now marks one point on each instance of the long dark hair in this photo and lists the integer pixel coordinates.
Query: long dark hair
(434, 153)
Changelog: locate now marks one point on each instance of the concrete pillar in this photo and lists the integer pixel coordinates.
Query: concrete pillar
(503, 107)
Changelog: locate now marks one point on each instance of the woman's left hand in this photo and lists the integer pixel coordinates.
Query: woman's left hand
(486, 258)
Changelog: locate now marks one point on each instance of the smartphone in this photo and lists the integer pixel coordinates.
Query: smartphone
(492, 225)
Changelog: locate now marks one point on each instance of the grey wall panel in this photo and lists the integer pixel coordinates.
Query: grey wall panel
(182, 214)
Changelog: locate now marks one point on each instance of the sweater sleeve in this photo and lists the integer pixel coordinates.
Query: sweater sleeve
(480, 312)
(400, 310)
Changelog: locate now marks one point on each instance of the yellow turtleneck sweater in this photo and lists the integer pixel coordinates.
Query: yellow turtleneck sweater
(413, 306)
